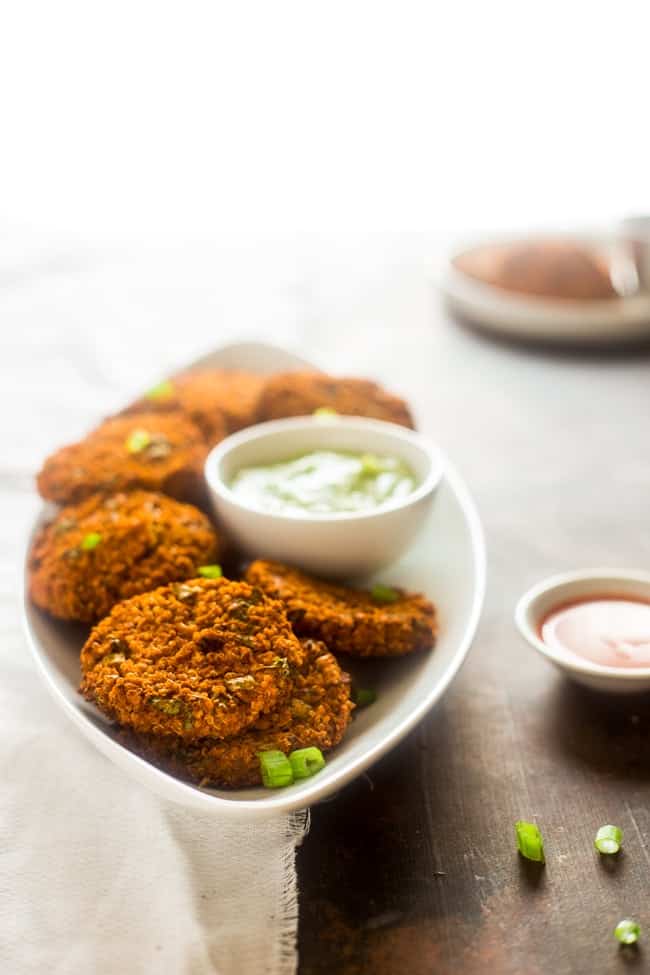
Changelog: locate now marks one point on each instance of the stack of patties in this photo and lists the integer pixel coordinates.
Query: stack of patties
(205, 675)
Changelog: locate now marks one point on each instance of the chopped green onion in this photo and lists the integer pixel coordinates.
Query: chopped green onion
(608, 839)
(168, 705)
(384, 594)
(627, 932)
(364, 697)
(276, 769)
(529, 841)
(161, 390)
(137, 441)
(324, 411)
(371, 465)
(305, 762)
(244, 683)
(210, 571)
(90, 541)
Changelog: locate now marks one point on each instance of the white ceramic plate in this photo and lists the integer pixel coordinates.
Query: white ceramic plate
(447, 563)
(542, 319)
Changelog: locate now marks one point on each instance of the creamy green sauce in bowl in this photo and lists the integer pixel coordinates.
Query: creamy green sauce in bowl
(324, 482)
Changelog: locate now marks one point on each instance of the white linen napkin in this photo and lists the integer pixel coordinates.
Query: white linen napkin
(98, 875)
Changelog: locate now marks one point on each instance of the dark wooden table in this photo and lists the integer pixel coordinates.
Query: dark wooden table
(414, 868)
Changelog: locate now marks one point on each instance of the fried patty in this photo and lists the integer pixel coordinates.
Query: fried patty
(218, 401)
(300, 393)
(317, 715)
(348, 620)
(192, 659)
(155, 451)
(110, 547)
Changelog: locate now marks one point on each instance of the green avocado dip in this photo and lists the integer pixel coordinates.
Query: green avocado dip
(324, 482)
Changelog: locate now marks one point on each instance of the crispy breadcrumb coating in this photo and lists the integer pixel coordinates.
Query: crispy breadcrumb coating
(110, 547)
(300, 393)
(155, 451)
(193, 659)
(218, 401)
(348, 620)
(316, 715)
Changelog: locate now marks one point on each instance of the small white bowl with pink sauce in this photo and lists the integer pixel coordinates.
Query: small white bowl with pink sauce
(593, 625)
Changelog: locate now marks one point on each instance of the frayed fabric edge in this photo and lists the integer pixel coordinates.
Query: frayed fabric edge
(287, 957)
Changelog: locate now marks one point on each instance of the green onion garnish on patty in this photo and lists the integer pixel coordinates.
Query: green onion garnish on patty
(276, 769)
(324, 411)
(384, 594)
(90, 541)
(161, 390)
(168, 705)
(529, 841)
(364, 697)
(137, 441)
(210, 571)
(608, 839)
(305, 762)
(627, 932)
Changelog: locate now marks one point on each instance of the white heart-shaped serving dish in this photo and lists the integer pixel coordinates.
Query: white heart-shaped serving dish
(447, 562)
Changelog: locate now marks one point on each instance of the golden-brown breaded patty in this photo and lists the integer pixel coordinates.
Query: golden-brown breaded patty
(348, 620)
(111, 547)
(316, 715)
(218, 401)
(193, 659)
(155, 451)
(300, 393)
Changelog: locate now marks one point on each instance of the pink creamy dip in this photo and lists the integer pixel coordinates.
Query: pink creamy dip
(612, 632)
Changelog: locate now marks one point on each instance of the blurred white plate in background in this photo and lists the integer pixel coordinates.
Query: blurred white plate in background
(533, 318)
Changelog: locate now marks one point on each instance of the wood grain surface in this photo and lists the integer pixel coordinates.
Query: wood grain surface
(414, 868)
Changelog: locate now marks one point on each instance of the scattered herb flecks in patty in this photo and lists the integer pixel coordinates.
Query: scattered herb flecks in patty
(137, 441)
(161, 390)
(90, 541)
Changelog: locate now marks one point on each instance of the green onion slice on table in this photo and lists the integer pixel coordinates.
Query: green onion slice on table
(529, 841)
(276, 769)
(608, 839)
(627, 932)
(305, 762)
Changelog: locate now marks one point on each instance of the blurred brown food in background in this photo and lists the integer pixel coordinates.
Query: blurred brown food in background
(546, 268)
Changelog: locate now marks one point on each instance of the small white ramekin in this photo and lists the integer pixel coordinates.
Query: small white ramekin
(338, 545)
(553, 593)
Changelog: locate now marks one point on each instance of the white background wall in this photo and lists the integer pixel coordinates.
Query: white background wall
(198, 119)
